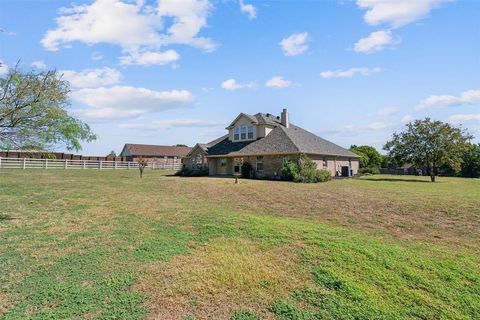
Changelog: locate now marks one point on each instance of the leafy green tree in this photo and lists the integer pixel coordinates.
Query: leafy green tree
(471, 162)
(112, 154)
(370, 157)
(430, 144)
(33, 112)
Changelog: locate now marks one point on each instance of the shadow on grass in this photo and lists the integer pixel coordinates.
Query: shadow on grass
(6, 217)
(396, 180)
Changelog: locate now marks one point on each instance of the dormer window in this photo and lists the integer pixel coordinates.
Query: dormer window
(243, 133)
(250, 132)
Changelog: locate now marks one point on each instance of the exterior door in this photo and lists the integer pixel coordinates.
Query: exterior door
(345, 171)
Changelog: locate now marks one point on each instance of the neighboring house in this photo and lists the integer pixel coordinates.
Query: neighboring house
(158, 155)
(265, 141)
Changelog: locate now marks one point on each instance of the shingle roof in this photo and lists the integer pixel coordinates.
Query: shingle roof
(281, 140)
(156, 150)
(267, 118)
(205, 146)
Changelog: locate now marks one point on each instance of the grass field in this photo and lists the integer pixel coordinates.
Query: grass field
(105, 244)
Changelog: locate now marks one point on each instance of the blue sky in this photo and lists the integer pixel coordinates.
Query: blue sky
(168, 72)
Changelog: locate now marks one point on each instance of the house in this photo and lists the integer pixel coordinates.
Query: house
(265, 141)
(197, 159)
(161, 156)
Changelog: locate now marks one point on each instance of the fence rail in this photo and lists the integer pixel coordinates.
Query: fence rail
(31, 163)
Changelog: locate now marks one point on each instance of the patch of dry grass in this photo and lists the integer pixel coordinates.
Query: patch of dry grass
(447, 212)
(220, 277)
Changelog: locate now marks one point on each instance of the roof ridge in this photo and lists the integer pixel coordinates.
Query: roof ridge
(283, 128)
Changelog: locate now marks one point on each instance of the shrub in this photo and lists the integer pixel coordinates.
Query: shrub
(246, 169)
(369, 170)
(304, 170)
(290, 170)
(185, 172)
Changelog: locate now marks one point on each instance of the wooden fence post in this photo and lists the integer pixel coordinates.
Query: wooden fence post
(115, 167)
(24, 163)
(0, 162)
(84, 163)
(100, 164)
(66, 164)
(46, 163)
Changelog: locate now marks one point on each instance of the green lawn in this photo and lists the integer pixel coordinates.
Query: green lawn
(105, 244)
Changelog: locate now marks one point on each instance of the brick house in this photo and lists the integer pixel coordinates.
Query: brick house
(154, 154)
(265, 141)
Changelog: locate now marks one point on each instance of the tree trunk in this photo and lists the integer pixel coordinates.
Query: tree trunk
(433, 173)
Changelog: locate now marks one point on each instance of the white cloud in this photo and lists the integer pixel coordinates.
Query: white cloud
(121, 102)
(39, 64)
(440, 101)
(397, 13)
(377, 126)
(135, 27)
(295, 44)
(90, 78)
(248, 9)
(169, 123)
(387, 111)
(349, 73)
(278, 82)
(150, 58)
(232, 84)
(376, 41)
(462, 118)
(3, 68)
(407, 118)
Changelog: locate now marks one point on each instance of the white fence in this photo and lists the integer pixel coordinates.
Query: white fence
(30, 163)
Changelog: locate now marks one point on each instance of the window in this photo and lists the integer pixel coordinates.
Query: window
(250, 132)
(175, 159)
(237, 164)
(165, 159)
(260, 163)
(223, 162)
(243, 132)
(325, 163)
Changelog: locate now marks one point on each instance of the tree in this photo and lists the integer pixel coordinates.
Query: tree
(112, 154)
(471, 162)
(180, 145)
(370, 157)
(430, 144)
(33, 112)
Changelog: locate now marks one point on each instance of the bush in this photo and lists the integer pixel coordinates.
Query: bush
(185, 172)
(304, 171)
(369, 170)
(290, 170)
(246, 169)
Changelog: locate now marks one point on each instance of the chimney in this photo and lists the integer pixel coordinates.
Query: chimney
(284, 120)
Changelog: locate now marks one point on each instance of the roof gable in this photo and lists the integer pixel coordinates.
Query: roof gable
(250, 118)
